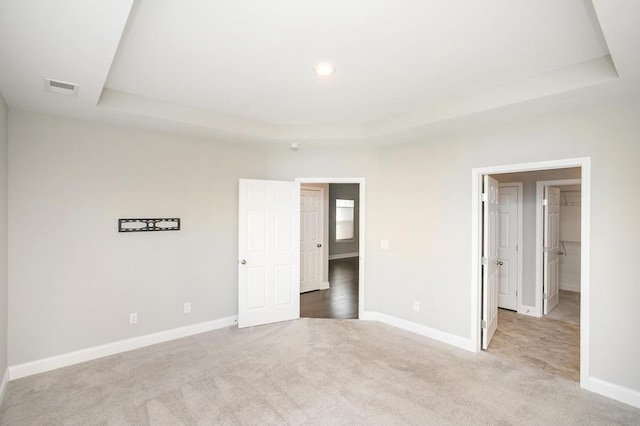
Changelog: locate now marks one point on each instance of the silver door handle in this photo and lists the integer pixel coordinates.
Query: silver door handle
(499, 262)
(318, 245)
(243, 262)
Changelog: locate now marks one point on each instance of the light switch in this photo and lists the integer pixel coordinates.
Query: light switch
(384, 244)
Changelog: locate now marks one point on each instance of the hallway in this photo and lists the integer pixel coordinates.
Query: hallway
(341, 300)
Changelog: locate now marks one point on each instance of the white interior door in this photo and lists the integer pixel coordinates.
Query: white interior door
(269, 252)
(551, 244)
(490, 267)
(508, 247)
(311, 233)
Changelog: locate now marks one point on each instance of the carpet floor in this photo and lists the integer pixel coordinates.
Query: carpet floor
(305, 372)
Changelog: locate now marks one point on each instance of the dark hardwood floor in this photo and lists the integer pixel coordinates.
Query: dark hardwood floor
(341, 300)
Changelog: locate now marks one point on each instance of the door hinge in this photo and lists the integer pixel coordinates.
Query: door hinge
(545, 202)
(484, 260)
(545, 249)
(544, 296)
(483, 324)
(485, 197)
(516, 247)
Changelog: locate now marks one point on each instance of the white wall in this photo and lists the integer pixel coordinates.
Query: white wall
(428, 185)
(529, 180)
(73, 278)
(3, 236)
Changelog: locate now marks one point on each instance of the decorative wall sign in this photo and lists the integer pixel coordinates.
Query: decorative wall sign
(143, 225)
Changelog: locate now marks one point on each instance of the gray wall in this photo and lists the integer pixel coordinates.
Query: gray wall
(74, 179)
(529, 180)
(73, 278)
(3, 234)
(348, 191)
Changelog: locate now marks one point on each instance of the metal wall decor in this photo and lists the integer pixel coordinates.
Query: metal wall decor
(144, 225)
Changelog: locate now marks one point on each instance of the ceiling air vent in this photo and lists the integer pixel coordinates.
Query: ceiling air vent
(61, 87)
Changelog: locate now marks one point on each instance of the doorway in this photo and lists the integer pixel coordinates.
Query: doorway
(531, 305)
(331, 261)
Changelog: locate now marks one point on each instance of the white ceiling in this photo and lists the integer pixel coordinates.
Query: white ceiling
(245, 68)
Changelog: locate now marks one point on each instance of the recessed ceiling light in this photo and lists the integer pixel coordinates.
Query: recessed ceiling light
(324, 69)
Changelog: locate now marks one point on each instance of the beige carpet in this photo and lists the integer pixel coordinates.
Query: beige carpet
(310, 371)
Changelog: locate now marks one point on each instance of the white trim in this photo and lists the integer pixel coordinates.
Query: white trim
(325, 285)
(570, 287)
(476, 174)
(521, 308)
(539, 233)
(527, 310)
(95, 352)
(3, 385)
(613, 391)
(423, 330)
(343, 256)
(361, 229)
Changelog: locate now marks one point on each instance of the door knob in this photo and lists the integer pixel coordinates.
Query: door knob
(243, 262)
(499, 262)
(318, 245)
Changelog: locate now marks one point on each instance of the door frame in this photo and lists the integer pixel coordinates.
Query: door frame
(585, 262)
(540, 185)
(521, 309)
(361, 228)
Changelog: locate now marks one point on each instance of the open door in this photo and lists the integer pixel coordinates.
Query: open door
(490, 261)
(551, 244)
(269, 252)
(311, 238)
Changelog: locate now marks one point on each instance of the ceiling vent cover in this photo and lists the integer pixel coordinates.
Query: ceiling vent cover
(61, 87)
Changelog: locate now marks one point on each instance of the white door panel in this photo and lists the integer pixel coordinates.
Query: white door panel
(507, 247)
(551, 244)
(490, 268)
(268, 249)
(311, 233)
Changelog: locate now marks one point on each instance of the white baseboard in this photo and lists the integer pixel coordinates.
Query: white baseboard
(613, 391)
(423, 330)
(3, 385)
(570, 287)
(95, 352)
(343, 256)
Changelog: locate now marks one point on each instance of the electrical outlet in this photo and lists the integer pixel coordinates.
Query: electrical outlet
(384, 244)
(187, 307)
(133, 318)
(416, 306)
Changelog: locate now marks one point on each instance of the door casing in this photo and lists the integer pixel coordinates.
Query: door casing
(476, 250)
